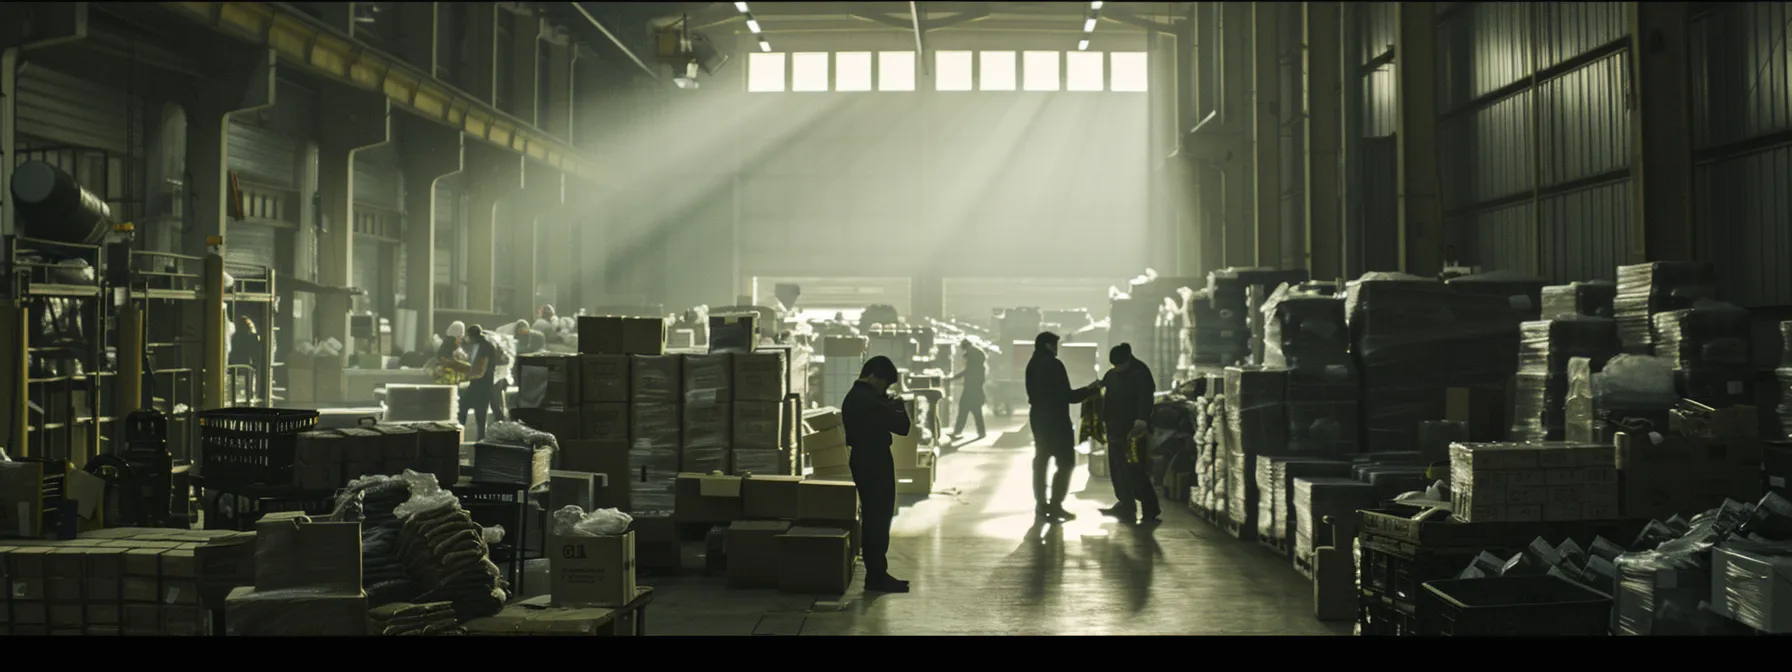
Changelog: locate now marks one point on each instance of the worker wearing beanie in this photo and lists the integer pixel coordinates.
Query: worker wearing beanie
(870, 416)
(1126, 408)
(1049, 397)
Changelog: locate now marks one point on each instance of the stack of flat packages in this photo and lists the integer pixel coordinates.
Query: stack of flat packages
(1591, 298)
(307, 581)
(1275, 485)
(708, 414)
(764, 413)
(1532, 482)
(1256, 424)
(1630, 393)
(1216, 340)
(1645, 290)
(1315, 500)
(1209, 496)
(422, 403)
(656, 397)
(1543, 359)
(401, 619)
(547, 396)
(1414, 338)
(1709, 346)
(1783, 375)
(1238, 295)
(1306, 335)
(1133, 318)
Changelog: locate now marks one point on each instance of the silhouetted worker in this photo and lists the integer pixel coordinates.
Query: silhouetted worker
(1049, 397)
(871, 415)
(1126, 409)
(246, 350)
(481, 380)
(975, 375)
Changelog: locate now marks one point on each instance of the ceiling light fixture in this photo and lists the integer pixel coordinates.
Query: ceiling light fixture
(1089, 26)
(753, 26)
(1093, 5)
(1082, 46)
(765, 46)
(743, 6)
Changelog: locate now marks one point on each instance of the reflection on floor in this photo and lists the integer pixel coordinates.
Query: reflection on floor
(980, 565)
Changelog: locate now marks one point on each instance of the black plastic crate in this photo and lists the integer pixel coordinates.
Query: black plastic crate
(1398, 530)
(250, 446)
(1402, 577)
(1380, 617)
(1526, 606)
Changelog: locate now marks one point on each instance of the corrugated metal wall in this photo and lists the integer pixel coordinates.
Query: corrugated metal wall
(67, 110)
(377, 179)
(1535, 136)
(1742, 116)
(450, 244)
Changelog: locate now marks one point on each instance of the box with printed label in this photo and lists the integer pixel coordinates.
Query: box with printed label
(604, 422)
(604, 379)
(752, 547)
(758, 425)
(761, 376)
(593, 571)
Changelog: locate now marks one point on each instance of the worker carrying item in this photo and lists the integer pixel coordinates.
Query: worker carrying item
(1049, 397)
(450, 365)
(1126, 406)
(480, 380)
(871, 416)
(975, 375)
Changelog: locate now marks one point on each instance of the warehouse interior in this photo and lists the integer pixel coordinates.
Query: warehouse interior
(1200, 318)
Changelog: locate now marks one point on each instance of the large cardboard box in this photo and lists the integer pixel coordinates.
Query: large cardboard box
(762, 376)
(758, 425)
(592, 571)
(709, 379)
(1753, 589)
(733, 332)
(1686, 475)
(831, 459)
(827, 500)
(709, 498)
(654, 426)
(1484, 411)
(249, 612)
(609, 335)
(609, 458)
(772, 497)
(827, 439)
(604, 379)
(815, 561)
(293, 551)
(21, 499)
(906, 450)
(1549, 481)
(548, 381)
(655, 379)
(604, 422)
(562, 424)
(916, 481)
(822, 419)
(753, 552)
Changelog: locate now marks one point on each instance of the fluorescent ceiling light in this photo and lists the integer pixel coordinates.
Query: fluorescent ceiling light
(1093, 5)
(765, 46)
(754, 26)
(1088, 26)
(743, 6)
(1082, 46)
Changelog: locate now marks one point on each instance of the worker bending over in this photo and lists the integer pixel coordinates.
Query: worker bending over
(1126, 408)
(1049, 397)
(871, 416)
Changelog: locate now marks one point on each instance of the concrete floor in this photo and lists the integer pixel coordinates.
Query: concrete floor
(981, 566)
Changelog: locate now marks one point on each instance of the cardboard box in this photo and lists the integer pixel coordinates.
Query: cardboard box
(1686, 475)
(533, 618)
(827, 500)
(1484, 411)
(758, 425)
(292, 551)
(707, 498)
(815, 561)
(1753, 589)
(610, 335)
(656, 379)
(916, 481)
(593, 571)
(827, 439)
(548, 381)
(708, 379)
(604, 379)
(1718, 423)
(734, 332)
(655, 426)
(753, 552)
(762, 376)
(286, 613)
(21, 499)
(832, 460)
(567, 424)
(772, 497)
(142, 619)
(604, 422)
(906, 450)
(610, 458)
(822, 419)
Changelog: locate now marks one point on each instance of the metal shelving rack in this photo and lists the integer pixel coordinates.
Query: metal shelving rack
(50, 422)
(165, 290)
(254, 293)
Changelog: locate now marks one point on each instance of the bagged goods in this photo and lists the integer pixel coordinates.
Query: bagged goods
(1238, 296)
(1256, 424)
(1590, 299)
(1304, 332)
(1543, 358)
(1631, 393)
(1647, 289)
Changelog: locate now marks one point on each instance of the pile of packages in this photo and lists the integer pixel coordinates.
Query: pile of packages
(1646, 290)
(1275, 492)
(1630, 393)
(1718, 573)
(1209, 495)
(1709, 346)
(1543, 357)
(1239, 295)
(419, 546)
(402, 619)
(1588, 299)
(1305, 334)
(1783, 375)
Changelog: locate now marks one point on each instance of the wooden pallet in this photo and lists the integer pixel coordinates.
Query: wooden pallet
(1278, 546)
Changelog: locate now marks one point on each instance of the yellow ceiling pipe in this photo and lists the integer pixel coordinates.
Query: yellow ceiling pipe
(299, 42)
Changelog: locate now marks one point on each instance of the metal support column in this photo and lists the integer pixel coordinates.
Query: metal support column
(1662, 215)
(1235, 117)
(525, 70)
(131, 341)
(352, 120)
(1422, 234)
(213, 394)
(16, 394)
(1350, 147)
(245, 83)
(1265, 107)
(493, 174)
(483, 33)
(429, 153)
(1325, 206)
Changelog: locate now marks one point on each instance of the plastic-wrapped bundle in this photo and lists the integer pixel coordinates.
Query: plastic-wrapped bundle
(1323, 427)
(1663, 590)
(1631, 393)
(1317, 498)
(1523, 293)
(707, 436)
(1221, 337)
(1435, 437)
(1548, 345)
(1590, 298)
(1304, 332)
(1658, 287)
(1267, 494)
(1710, 333)
(1289, 469)
(1242, 292)
(1256, 424)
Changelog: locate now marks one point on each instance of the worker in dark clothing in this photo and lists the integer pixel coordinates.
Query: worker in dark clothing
(1049, 397)
(970, 403)
(871, 416)
(481, 380)
(246, 351)
(1126, 409)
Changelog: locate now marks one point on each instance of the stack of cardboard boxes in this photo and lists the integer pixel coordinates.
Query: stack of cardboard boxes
(826, 457)
(1533, 482)
(782, 531)
(624, 421)
(126, 581)
(307, 581)
(329, 459)
(1707, 456)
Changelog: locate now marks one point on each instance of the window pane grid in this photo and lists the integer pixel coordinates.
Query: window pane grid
(809, 72)
(952, 71)
(1084, 71)
(863, 71)
(852, 71)
(1041, 70)
(997, 71)
(896, 71)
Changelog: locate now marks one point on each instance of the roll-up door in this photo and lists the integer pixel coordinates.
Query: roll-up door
(61, 109)
(377, 181)
(848, 295)
(267, 152)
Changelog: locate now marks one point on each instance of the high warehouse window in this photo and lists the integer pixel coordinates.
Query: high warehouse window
(896, 71)
(952, 71)
(765, 73)
(997, 71)
(852, 71)
(809, 72)
(1083, 70)
(1041, 70)
(1129, 72)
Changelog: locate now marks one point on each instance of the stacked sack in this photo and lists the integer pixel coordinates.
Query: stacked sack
(1645, 290)
(419, 546)
(1210, 495)
(403, 619)
(1631, 393)
(1709, 346)
(1305, 334)
(1543, 358)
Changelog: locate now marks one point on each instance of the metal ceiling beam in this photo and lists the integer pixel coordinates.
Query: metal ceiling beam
(914, 12)
(601, 28)
(1122, 16)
